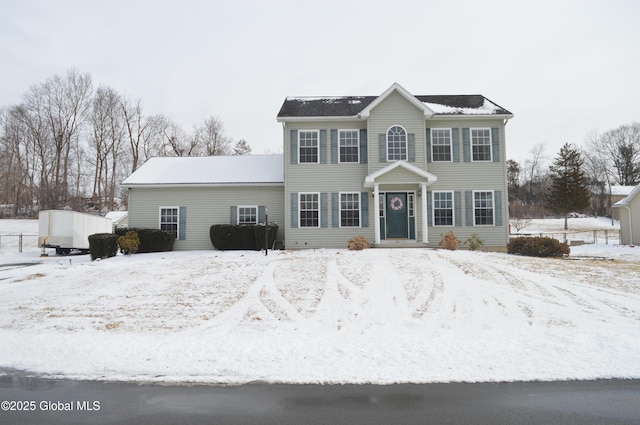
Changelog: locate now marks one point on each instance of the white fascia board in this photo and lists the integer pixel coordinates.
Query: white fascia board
(364, 114)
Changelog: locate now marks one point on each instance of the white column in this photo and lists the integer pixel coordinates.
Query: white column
(376, 209)
(425, 234)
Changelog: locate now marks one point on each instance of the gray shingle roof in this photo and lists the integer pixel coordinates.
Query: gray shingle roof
(352, 105)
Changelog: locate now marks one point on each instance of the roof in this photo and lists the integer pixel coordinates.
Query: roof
(353, 106)
(626, 201)
(116, 216)
(621, 190)
(370, 180)
(209, 170)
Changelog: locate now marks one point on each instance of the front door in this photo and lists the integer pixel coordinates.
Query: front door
(397, 217)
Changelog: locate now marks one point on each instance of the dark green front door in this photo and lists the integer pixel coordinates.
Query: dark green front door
(397, 217)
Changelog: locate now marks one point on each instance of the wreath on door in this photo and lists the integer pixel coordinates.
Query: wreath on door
(396, 204)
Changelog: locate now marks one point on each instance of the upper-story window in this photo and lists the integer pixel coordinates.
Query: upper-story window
(396, 143)
(481, 144)
(441, 144)
(308, 146)
(349, 141)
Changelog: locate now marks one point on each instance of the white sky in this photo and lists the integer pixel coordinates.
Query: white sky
(564, 68)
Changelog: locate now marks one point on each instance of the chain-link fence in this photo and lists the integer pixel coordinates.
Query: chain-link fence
(16, 242)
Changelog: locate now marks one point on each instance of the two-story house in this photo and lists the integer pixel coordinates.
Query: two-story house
(399, 169)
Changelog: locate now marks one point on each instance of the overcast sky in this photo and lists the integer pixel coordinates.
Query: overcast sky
(564, 68)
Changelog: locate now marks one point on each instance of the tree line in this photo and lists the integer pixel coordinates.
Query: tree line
(605, 160)
(68, 145)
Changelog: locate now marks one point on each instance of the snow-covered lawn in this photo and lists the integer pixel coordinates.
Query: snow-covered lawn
(379, 315)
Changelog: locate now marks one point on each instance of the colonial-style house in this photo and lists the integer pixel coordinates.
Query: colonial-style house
(629, 212)
(399, 169)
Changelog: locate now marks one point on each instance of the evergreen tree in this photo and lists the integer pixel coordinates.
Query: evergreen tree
(569, 190)
(242, 148)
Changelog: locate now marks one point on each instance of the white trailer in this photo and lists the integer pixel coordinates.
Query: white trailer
(69, 230)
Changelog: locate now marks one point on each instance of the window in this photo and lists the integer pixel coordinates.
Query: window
(248, 215)
(396, 143)
(441, 144)
(481, 144)
(308, 142)
(169, 219)
(350, 210)
(483, 208)
(381, 203)
(349, 141)
(443, 208)
(309, 209)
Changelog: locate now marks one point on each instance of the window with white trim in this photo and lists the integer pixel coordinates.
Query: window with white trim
(396, 143)
(381, 203)
(350, 209)
(441, 144)
(348, 144)
(481, 144)
(443, 208)
(308, 142)
(309, 209)
(169, 219)
(483, 208)
(248, 214)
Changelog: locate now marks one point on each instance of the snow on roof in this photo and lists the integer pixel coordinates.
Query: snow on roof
(239, 169)
(116, 215)
(488, 108)
(621, 190)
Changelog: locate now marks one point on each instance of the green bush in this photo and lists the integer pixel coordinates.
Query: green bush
(474, 242)
(129, 243)
(538, 247)
(235, 236)
(152, 240)
(103, 245)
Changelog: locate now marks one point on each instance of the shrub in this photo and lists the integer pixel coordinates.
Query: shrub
(129, 243)
(449, 241)
(152, 240)
(103, 245)
(358, 243)
(538, 247)
(241, 236)
(474, 242)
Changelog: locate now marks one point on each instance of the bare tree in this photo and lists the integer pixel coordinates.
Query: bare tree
(211, 138)
(137, 126)
(622, 146)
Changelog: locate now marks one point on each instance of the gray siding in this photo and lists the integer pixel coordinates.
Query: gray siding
(205, 206)
(395, 110)
(458, 176)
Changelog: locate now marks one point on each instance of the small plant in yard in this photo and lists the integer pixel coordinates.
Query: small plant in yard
(358, 243)
(474, 242)
(129, 243)
(449, 241)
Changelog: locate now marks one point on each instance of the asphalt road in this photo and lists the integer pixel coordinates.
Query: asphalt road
(27, 400)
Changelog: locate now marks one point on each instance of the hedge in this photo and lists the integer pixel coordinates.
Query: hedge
(152, 240)
(241, 236)
(103, 245)
(538, 247)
